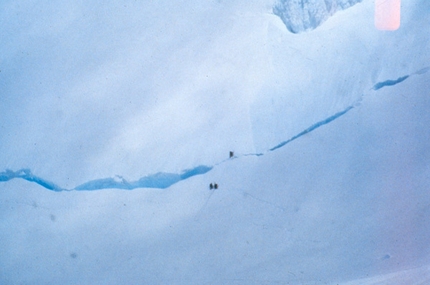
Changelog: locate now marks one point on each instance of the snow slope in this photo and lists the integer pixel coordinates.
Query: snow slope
(87, 88)
(325, 71)
(412, 276)
(330, 180)
(348, 200)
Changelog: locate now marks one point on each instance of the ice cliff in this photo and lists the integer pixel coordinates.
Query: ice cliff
(303, 15)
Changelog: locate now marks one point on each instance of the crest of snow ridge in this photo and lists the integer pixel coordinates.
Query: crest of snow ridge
(304, 15)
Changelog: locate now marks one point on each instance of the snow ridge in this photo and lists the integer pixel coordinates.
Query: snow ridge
(162, 180)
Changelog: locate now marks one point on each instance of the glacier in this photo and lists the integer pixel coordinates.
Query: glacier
(329, 181)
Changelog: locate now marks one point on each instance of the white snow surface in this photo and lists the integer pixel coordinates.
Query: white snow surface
(329, 183)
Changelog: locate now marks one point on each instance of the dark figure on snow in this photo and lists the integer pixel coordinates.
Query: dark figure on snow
(216, 186)
(211, 186)
(231, 154)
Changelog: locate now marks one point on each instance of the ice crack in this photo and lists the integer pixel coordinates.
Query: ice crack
(386, 83)
(159, 180)
(27, 175)
(164, 180)
(392, 82)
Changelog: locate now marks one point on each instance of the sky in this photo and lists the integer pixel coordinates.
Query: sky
(330, 174)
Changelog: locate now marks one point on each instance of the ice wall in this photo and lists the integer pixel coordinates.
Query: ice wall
(303, 15)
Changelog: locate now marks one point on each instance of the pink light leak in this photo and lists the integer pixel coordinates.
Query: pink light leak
(387, 15)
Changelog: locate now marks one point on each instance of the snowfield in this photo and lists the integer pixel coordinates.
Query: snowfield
(328, 120)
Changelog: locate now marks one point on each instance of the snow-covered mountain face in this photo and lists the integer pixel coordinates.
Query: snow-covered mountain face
(303, 15)
(229, 71)
(330, 173)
